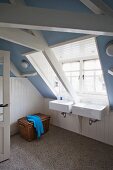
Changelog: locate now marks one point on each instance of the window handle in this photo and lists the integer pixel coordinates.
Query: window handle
(3, 105)
(83, 76)
(78, 77)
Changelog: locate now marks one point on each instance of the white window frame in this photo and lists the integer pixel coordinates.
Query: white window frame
(81, 91)
(78, 70)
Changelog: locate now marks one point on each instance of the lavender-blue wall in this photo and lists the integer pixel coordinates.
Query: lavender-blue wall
(106, 62)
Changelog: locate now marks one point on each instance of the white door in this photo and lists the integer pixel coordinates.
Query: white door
(4, 105)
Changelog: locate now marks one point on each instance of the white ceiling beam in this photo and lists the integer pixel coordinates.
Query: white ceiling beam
(29, 75)
(98, 7)
(40, 73)
(92, 6)
(54, 20)
(21, 37)
(56, 66)
(17, 73)
(50, 56)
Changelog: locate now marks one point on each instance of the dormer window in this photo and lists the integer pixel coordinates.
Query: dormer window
(85, 76)
(81, 65)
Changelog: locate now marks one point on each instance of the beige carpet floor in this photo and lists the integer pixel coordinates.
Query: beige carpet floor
(59, 149)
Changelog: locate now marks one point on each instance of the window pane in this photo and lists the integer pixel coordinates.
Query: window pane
(66, 67)
(69, 78)
(98, 73)
(88, 81)
(88, 73)
(75, 66)
(73, 78)
(89, 65)
(67, 74)
(74, 74)
(92, 65)
(93, 81)
(75, 83)
(93, 77)
(88, 84)
(99, 82)
(97, 64)
(71, 66)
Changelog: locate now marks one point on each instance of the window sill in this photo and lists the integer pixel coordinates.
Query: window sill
(93, 98)
(93, 94)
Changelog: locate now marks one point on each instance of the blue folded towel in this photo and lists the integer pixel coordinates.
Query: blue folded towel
(37, 124)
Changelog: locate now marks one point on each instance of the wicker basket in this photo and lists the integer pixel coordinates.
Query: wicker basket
(27, 130)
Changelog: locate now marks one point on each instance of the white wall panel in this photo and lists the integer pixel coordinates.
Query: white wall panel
(25, 99)
(101, 130)
(1, 139)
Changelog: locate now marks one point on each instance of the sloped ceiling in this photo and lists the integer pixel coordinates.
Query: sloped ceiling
(52, 38)
(109, 3)
(68, 5)
(57, 37)
(16, 52)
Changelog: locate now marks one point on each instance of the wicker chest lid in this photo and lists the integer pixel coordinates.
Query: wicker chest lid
(42, 116)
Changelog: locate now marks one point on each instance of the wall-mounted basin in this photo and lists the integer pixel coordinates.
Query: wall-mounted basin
(61, 105)
(92, 111)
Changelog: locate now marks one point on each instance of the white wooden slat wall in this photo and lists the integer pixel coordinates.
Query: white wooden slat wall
(25, 99)
(101, 130)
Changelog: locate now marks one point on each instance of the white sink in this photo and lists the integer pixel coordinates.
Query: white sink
(93, 111)
(61, 105)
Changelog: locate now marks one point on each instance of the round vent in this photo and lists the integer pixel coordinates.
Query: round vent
(24, 64)
(109, 49)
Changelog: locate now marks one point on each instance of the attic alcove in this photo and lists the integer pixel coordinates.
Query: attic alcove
(92, 102)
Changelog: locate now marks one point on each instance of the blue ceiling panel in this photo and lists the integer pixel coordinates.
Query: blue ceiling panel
(4, 1)
(44, 90)
(69, 5)
(16, 52)
(109, 3)
(53, 37)
(107, 63)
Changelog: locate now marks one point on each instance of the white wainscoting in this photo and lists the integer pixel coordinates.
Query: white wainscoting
(25, 99)
(101, 130)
